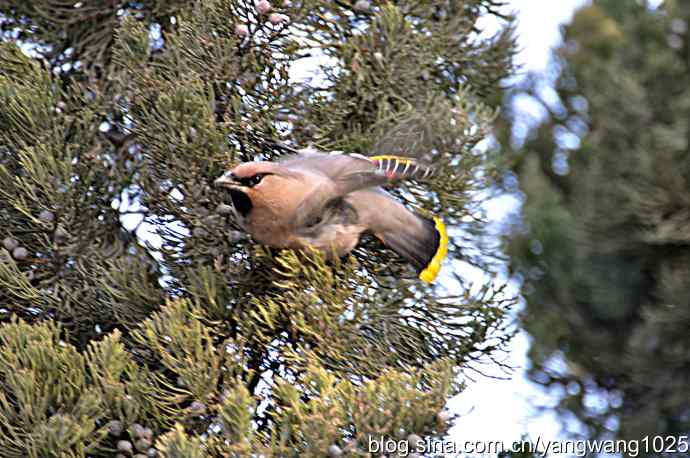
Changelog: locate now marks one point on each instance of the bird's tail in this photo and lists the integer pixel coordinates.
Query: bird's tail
(398, 167)
(424, 245)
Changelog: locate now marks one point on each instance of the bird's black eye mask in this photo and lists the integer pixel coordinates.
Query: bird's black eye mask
(253, 180)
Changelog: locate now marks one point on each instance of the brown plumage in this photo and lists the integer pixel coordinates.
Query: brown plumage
(328, 201)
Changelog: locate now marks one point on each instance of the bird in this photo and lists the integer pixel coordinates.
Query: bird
(327, 201)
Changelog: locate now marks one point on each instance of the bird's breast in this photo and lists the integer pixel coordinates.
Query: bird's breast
(271, 222)
(268, 228)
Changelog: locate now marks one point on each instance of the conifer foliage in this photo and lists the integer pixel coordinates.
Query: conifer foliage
(116, 117)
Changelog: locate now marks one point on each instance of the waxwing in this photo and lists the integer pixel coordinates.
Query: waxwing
(326, 201)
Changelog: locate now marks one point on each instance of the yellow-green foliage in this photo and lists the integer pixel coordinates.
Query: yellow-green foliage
(56, 401)
(53, 398)
(134, 315)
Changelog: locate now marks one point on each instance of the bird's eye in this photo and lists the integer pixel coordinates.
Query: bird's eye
(256, 179)
(252, 180)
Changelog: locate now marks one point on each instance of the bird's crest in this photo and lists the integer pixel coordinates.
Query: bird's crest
(249, 169)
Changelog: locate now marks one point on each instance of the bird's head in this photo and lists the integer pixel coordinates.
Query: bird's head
(253, 184)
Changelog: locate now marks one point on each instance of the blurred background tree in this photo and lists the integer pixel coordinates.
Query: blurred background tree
(602, 245)
(136, 319)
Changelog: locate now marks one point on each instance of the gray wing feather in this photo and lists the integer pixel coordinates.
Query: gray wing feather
(342, 174)
(411, 235)
(338, 175)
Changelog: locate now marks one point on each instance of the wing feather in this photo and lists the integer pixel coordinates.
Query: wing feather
(341, 174)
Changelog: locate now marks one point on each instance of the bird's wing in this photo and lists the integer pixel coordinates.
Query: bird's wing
(422, 241)
(346, 173)
(352, 171)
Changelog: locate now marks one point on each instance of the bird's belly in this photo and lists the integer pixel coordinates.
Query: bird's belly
(328, 236)
(336, 238)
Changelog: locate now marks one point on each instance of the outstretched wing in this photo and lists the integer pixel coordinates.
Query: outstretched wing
(346, 173)
(420, 240)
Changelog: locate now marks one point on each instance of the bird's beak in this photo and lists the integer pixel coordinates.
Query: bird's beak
(241, 202)
(228, 180)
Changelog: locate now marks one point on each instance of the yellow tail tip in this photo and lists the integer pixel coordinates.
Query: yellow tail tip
(431, 271)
